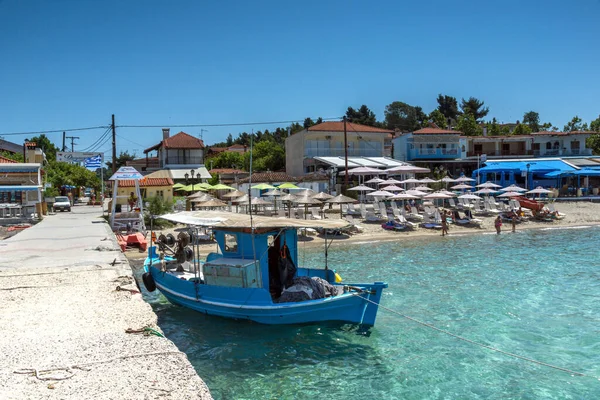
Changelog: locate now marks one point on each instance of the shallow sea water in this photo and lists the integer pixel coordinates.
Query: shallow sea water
(533, 293)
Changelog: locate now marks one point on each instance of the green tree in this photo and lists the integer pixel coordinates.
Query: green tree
(62, 173)
(121, 160)
(532, 119)
(522, 129)
(18, 157)
(493, 129)
(546, 126)
(228, 159)
(363, 116)
(448, 106)
(229, 141)
(266, 156)
(466, 124)
(402, 116)
(46, 145)
(438, 118)
(595, 125)
(421, 118)
(308, 122)
(474, 107)
(574, 125)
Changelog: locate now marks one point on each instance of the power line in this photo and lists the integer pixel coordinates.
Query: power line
(217, 125)
(95, 144)
(54, 131)
(131, 141)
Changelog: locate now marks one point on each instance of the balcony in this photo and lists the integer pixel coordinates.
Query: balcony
(180, 160)
(325, 152)
(417, 154)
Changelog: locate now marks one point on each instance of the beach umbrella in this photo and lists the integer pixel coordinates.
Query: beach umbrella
(423, 188)
(404, 196)
(365, 171)
(437, 195)
(510, 194)
(220, 186)
(288, 198)
(447, 192)
(375, 180)
(178, 186)
(205, 185)
(461, 186)
(464, 179)
(380, 193)
(447, 179)
(200, 197)
(362, 188)
(305, 192)
(539, 190)
(322, 196)
(513, 188)
(234, 194)
(393, 188)
(306, 201)
(262, 186)
(287, 185)
(485, 191)
(489, 185)
(410, 180)
(259, 201)
(274, 193)
(341, 199)
(427, 180)
(240, 200)
(415, 192)
(212, 203)
(407, 169)
(195, 187)
(390, 181)
(469, 196)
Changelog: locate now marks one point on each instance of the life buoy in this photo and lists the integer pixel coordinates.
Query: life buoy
(149, 282)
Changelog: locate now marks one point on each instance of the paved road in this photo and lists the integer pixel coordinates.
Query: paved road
(59, 308)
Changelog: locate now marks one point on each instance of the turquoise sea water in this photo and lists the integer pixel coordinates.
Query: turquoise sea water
(534, 293)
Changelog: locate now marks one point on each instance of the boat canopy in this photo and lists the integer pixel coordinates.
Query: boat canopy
(224, 219)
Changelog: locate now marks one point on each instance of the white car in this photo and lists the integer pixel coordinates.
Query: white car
(62, 203)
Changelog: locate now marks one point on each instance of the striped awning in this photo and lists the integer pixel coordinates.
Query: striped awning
(18, 188)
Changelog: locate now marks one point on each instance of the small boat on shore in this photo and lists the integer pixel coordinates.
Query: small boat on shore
(254, 275)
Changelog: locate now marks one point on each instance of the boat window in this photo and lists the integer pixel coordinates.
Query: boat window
(270, 239)
(231, 244)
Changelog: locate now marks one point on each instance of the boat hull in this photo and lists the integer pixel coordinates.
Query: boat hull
(358, 305)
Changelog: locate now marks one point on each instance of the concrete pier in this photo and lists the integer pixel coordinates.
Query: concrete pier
(63, 322)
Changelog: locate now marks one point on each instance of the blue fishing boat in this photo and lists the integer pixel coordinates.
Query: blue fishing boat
(254, 275)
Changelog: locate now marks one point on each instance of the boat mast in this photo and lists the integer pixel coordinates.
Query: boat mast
(250, 200)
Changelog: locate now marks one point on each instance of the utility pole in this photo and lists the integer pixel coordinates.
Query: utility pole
(64, 146)
(114, 145)
(345, 154)
(72, 141)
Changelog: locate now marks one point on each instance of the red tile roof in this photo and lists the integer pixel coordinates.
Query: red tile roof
(269, 177)
(146, 182)
(338, 126)
(237, 146)
(436, 131)
(563, 133)
(226, 171)
(180, 141)
(4, 160)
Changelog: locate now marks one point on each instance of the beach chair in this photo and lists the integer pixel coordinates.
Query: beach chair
(355, 225)
(281, 213)
(315, 213)
(414, 214)
(383, 210)
(429, 223)
(452, 203)
(300, 213)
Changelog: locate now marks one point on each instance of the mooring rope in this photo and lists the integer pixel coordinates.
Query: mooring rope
(481, 344)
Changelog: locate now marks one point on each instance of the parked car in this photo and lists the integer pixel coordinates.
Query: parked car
(62, 203)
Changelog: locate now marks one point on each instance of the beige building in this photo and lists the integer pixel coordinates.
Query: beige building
(149, 187)
(305, 150)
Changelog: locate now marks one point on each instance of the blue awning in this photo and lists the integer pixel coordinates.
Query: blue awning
(587, 172)
(533, 166)
(17, 188)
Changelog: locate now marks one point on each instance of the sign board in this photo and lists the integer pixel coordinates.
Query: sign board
(76, 156)
(126, 173)
(483, 158)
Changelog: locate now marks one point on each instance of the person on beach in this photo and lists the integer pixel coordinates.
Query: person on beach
(498, 224)
(514, 223)
(93, 199)
(444, 224)
(132, 200)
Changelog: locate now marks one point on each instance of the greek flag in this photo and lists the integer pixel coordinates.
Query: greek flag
(93, 162)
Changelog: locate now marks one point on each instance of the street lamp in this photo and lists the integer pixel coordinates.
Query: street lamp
(527, 177)
(192, 177)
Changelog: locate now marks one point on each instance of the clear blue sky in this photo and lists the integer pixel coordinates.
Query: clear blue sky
(68, 63)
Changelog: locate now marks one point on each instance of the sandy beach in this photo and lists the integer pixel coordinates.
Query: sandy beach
(576, 214)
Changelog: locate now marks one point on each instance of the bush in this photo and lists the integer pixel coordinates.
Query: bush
(51, 192)
(157, 206)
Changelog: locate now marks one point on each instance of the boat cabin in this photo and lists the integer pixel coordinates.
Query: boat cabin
(264, 259)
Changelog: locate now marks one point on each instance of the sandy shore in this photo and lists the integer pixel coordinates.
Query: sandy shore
(576, 214)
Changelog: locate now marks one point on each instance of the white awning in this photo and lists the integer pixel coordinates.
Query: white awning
(179, 173)
(353, 162)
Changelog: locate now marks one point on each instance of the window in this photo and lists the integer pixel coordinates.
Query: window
(231, 244)
(548, 146)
